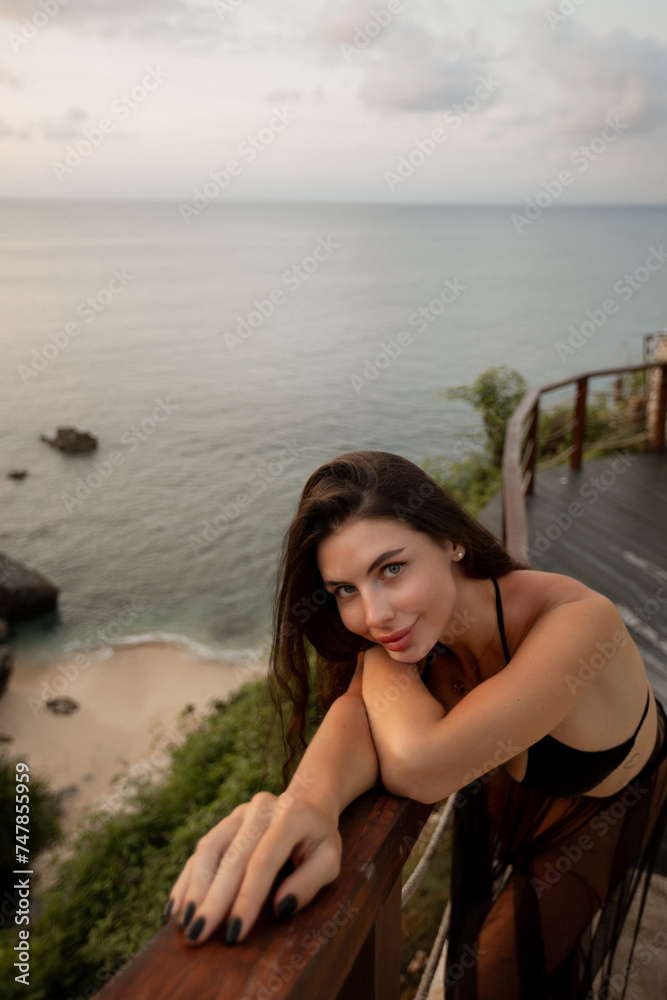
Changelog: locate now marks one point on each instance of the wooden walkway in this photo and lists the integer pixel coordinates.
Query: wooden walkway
(606, 525)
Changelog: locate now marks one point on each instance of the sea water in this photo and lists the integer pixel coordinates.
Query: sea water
(221, 360)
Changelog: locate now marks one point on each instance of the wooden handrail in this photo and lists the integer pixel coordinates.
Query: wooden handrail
(345, 945)
(518, 477)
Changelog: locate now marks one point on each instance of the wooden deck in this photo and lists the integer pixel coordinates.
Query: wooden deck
(606, 525)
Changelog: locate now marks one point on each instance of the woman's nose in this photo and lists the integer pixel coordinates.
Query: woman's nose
(378, 611)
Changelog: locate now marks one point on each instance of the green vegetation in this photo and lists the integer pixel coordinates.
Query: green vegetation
(496, 393)
(617, 418)
(423, 911)
(612, 420)
(111, 892)
(473, 481)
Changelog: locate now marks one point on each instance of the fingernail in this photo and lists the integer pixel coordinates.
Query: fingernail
(189, 913)
(195, 929)
(166, 913)
(286, 906)
(233, 931)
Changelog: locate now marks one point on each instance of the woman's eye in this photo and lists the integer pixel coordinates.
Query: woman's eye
(345, 589)
(393, 569)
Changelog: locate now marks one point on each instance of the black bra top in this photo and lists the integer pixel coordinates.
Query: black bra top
(554, 767)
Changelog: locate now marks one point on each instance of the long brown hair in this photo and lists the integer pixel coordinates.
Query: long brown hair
(360, 484)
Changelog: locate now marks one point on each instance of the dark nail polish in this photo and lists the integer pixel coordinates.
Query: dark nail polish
(195, 929)
(166, 913)
(233, 931)
(286, 906)
(188, 915)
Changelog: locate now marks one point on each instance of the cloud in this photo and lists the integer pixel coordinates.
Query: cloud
(8, 131)
(344, 22)
(420, 72)
(148, 20)
(593, 76)
(408, 60)
(9, 80)
(68, 126)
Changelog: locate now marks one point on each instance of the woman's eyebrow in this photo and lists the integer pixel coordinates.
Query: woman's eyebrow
(374, 565)
(381, 558)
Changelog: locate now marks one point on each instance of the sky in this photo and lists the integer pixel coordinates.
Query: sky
(417, 101)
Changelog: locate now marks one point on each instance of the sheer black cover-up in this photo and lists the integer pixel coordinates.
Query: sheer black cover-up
(541, 886)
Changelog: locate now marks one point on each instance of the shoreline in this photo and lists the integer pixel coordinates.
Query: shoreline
(129, 698)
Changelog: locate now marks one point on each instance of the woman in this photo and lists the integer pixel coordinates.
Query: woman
(521, 688)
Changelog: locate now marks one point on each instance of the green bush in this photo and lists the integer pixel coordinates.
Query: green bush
(607, 419)
(495, 393)
(472, 482)
(110, 894)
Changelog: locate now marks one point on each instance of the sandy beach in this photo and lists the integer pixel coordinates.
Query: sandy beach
(129, 700)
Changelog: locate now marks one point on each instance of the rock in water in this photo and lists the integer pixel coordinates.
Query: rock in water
(23, 591)
(6, 667)
(17, 474)
(72, 441)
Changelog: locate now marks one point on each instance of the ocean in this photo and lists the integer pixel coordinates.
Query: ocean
(221, 359)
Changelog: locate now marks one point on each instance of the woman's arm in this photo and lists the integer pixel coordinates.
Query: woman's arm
(340, 762)
(236, 863)
(426, 754)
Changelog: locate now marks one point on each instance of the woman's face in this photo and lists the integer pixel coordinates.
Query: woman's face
(393, 585)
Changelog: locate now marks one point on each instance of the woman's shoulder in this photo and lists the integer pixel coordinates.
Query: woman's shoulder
(528, 596)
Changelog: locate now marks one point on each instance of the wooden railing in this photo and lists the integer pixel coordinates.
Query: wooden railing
(522, 445)
(345, 945)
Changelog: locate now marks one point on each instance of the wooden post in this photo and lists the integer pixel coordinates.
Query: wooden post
(658, 441)
(376, 973)
(579, 431)
(532, 444)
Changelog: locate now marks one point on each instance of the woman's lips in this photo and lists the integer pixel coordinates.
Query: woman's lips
(398, 640)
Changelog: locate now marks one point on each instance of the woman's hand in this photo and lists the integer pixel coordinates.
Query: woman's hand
(236, 863)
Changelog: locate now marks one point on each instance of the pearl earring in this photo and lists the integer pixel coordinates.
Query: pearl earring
(459, 555)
